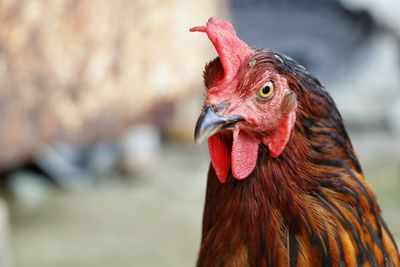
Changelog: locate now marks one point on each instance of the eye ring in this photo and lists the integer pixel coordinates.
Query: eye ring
(266, 91)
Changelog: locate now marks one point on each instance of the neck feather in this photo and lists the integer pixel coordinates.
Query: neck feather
(285, 197)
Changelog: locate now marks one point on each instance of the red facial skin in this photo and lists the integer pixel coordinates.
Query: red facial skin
(261, 115)
(266, 121)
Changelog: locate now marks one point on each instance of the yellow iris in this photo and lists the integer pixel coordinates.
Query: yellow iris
(267, 90)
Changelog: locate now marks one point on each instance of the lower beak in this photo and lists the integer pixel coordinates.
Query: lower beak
(209, 123)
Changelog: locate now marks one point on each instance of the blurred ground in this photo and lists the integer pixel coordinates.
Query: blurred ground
(145, 221)
(152, 220)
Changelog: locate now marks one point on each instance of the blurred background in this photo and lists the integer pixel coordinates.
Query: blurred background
(98, 102)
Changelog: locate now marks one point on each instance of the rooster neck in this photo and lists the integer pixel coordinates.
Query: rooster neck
(258, 217)
(308, 207)
(316, 153)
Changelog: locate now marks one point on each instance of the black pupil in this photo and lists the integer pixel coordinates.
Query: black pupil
(266, 90)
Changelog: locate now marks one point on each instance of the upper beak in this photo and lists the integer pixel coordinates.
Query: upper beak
(210, 123)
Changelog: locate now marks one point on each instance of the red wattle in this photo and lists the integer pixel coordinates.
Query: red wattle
(220, 157)
(277, 141)
(244, 154)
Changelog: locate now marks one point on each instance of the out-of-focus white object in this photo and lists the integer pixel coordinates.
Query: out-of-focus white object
(394, 115)
(29, 189)
(141, 147)
(4, 235)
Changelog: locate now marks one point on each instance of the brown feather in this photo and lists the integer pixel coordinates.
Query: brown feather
(309, 207)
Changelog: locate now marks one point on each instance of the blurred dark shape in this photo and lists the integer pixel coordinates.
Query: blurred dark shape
(78, 167)
(68, 165)
(385, 13)
(323, 35)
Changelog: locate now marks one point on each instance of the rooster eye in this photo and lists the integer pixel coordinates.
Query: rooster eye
(266, 91)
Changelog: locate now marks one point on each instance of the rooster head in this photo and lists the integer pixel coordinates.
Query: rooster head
(248, 103)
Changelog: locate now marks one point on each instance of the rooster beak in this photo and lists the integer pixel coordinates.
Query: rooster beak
(209, 123)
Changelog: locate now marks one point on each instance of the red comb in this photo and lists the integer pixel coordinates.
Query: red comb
(231, 50)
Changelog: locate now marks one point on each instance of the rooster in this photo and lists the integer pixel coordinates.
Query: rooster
(284, 186)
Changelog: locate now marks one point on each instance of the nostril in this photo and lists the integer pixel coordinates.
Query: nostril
(221, 106)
